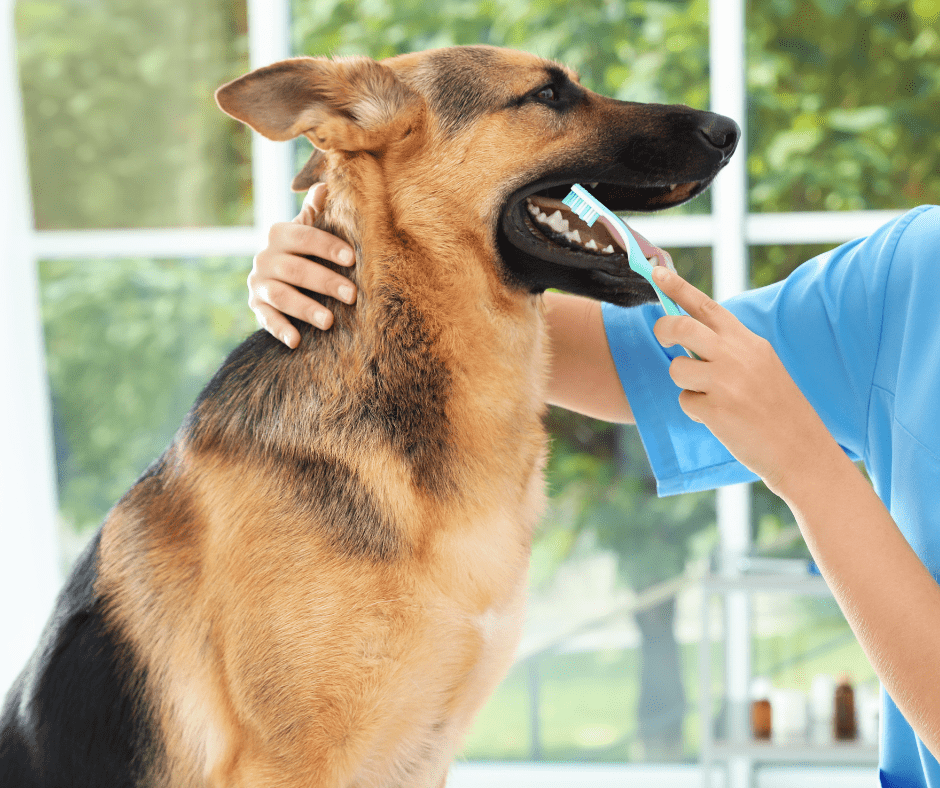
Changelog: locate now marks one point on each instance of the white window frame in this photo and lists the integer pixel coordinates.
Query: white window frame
(30, 571)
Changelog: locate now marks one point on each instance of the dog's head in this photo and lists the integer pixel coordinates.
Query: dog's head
(492, 139)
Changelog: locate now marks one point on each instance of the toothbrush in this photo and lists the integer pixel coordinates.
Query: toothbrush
(590, 209)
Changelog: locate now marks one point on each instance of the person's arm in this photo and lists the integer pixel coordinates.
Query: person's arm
(582, 376)
(741, 391)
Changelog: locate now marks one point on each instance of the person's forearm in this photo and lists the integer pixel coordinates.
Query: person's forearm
(887, 595)
(582, 376)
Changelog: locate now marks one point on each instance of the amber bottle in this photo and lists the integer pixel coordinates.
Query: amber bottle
(844, 725)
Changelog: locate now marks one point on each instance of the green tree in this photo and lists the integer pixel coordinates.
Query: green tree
(121, 125)
(129, 345)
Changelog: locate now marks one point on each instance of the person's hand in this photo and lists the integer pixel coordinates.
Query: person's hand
(280, 269)
(738, 388)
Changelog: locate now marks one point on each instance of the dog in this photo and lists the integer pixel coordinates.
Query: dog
(322, 579)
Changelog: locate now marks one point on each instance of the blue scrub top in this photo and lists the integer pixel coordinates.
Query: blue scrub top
(858, 329)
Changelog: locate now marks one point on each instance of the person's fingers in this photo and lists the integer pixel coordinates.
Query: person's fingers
(305, 240)
(691, 374)
(692, 300)
(289, 301)
(300, 272)
(313, 203)
(693, 404)
(316, 197)
(277, 325)
(283, 269)
(688, 332)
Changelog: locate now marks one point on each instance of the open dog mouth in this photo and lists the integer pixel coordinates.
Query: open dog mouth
(536, 221)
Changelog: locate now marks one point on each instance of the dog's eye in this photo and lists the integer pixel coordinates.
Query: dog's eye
(548, 93)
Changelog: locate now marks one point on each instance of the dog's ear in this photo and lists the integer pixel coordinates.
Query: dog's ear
(347, 104)
(311, 172)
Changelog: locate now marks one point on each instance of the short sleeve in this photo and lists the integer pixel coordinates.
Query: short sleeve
(825, 323)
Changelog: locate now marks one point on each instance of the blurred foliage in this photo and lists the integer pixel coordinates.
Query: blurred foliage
(843, 104)
(844, 111)
(641, 51)
(602, 491)
(121, 126)
(130, 343)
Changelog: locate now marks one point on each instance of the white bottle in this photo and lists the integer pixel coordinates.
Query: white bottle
(868, 703)
(790, 715)
(822, 708)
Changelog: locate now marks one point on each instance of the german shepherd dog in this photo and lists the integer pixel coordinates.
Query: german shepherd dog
(322, 579)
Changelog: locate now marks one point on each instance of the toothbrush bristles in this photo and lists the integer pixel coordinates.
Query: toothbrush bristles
(582, 208)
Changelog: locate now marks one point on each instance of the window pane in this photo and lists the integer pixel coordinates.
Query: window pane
(129, 344)
(121, 125)
(843, 101)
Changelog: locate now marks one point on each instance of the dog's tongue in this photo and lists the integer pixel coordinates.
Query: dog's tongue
(650, 251)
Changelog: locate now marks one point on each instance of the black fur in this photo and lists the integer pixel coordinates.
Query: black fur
(352, 520)
(454, 72)
(404, 394)
(75, 718)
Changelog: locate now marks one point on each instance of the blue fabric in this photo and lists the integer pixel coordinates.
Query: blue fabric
(858, 328)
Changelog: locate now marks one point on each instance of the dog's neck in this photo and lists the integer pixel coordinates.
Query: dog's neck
(444, 340)
(421, 250)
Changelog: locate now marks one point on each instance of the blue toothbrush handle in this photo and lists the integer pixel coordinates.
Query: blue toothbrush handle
(641, 265)
(671, 307)
(590, 209)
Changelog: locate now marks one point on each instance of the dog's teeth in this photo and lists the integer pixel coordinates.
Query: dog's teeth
(594, 185)
(557, 223)
(540, 216)
(532, 209)
(573, 236)
(607, 249)
(672, 187)
(592, 245)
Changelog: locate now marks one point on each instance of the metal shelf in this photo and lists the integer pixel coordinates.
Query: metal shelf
(812, 585)
(835, 752)
(726, 736)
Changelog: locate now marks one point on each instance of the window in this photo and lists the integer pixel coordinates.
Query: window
(148, 204)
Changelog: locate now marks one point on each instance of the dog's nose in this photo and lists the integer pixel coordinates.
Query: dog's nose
(723, 133)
